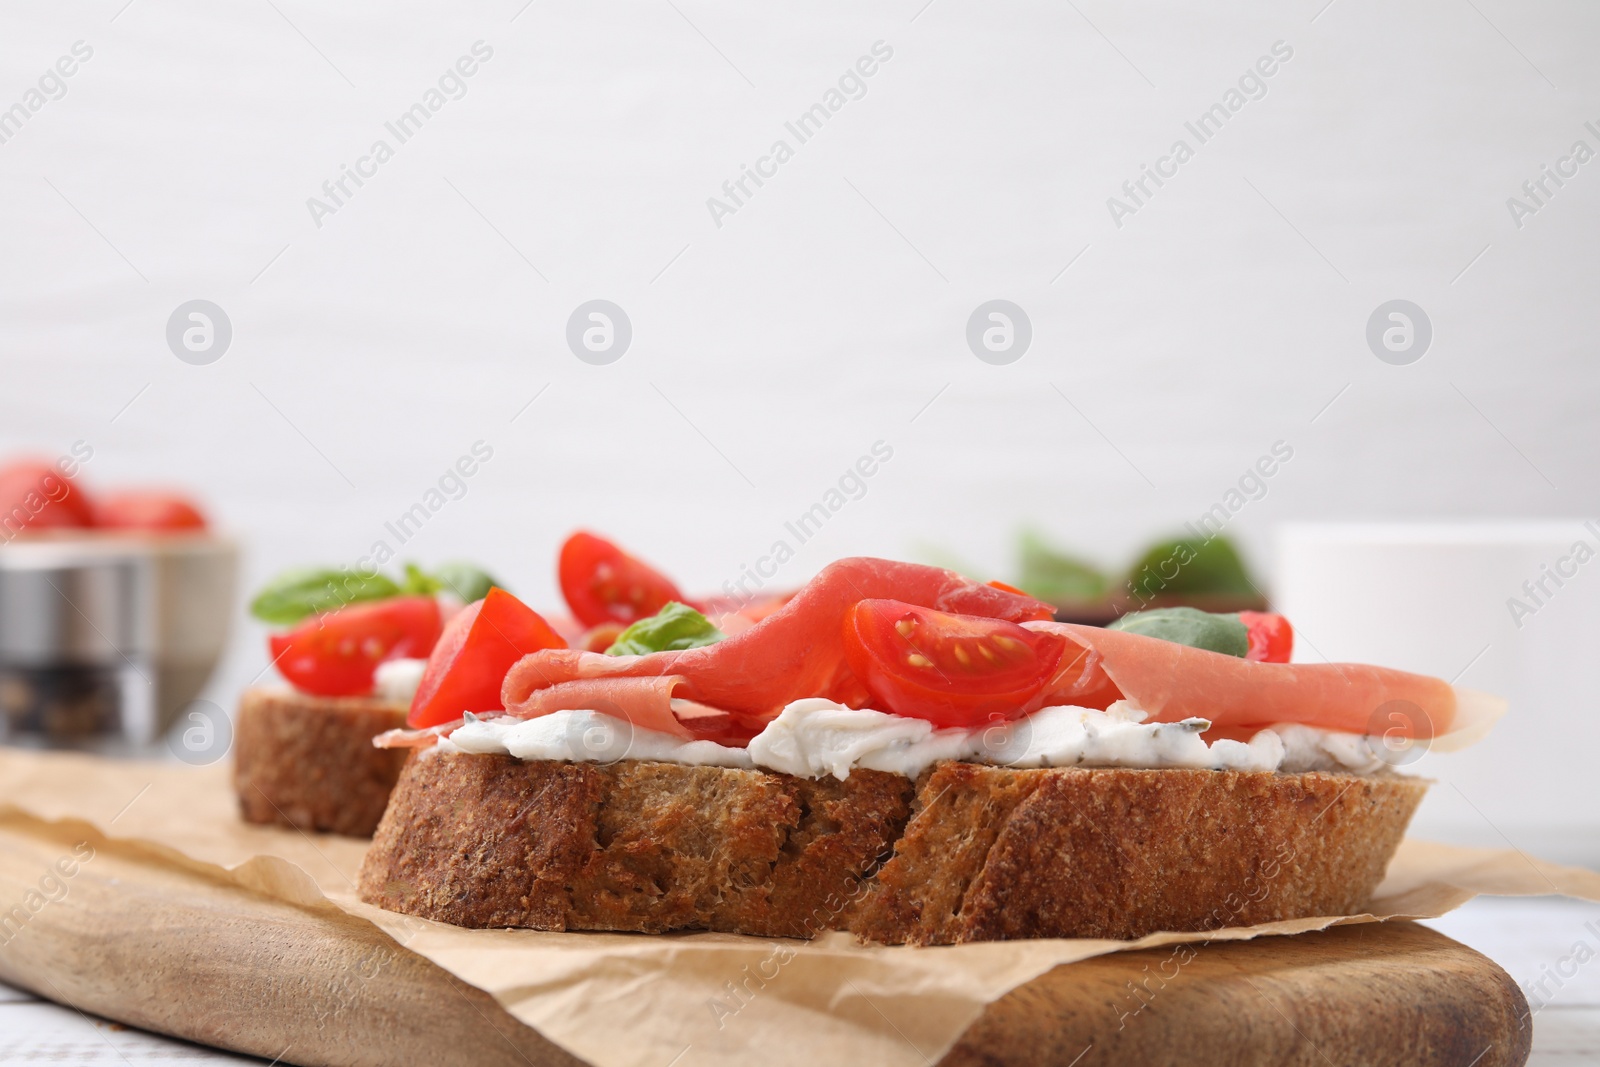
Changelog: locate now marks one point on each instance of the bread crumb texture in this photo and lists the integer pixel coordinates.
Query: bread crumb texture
(308, 762)
(968, 852)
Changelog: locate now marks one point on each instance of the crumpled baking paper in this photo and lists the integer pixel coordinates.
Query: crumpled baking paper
(628, 1000)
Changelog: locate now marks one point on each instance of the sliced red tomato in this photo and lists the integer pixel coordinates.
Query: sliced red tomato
(1005, 587)
(37, 496)
(337, 653)
(148, 510)
(472, 658)
(602, 583)
(1271, 636)
(953, 670)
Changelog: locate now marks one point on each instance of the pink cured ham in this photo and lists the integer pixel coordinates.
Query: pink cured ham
(795, 652)
(426, 737)
(1170, 682)
(643, 700)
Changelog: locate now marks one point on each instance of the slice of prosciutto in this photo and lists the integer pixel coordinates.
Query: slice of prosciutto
(1171, 682)
(795, 652)
(425, 737)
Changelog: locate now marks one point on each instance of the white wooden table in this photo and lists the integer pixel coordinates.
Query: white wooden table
(1533, 939)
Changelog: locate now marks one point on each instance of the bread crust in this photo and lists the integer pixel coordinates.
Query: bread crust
(995, 854)
(969, 852)
(308, 762)
(488, 841)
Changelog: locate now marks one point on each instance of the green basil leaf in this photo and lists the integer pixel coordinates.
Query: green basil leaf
(672, 629)
(1189, 567)
(465, 580)
(293, 595)
(1054, 576)
(1190, 626)
(418, 583)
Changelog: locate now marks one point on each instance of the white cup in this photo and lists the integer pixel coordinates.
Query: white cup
(1510, 607)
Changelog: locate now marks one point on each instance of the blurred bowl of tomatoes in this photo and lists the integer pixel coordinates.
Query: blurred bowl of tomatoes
(114, 608)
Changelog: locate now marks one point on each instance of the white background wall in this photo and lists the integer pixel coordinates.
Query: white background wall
(771, 352)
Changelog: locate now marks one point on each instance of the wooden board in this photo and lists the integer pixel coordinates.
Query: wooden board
(200, 958)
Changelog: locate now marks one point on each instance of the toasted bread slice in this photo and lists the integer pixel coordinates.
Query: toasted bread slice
(308, 761)
(968, 852)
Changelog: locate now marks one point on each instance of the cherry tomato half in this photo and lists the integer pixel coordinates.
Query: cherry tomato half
(1271, 636)
(337, 653)
(953, 670)
(37, 496)
(147, 510)
(602, 583)
(470, 662)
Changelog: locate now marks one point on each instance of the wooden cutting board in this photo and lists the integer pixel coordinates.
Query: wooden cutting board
(201, 958)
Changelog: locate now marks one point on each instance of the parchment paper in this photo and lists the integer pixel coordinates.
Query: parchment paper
(628, 1000)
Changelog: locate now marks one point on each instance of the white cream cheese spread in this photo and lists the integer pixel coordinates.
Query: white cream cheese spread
(811, 738)
(397, 679)
(816, 737)
(585, 737)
